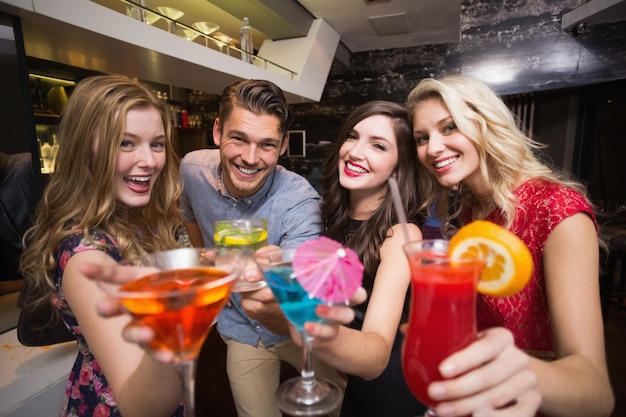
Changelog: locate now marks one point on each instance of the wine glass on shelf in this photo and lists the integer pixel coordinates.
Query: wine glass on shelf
(179, 299)
(171, 13)
(152, 17)
(207, 28)
(222, 40)
(305, 395)
(188, 34)
(443, 313)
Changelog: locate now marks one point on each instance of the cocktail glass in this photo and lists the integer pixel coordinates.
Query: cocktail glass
(207, 28)
(223, 41)
(443, 313)
(247, 235)
(172, 14)
(179, 301)
(188, 34)
(305, 395)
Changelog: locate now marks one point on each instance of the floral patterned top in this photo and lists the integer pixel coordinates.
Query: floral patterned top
(542, 206)
(87, 392)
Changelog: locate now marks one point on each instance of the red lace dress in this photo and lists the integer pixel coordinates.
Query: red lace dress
(542, 206)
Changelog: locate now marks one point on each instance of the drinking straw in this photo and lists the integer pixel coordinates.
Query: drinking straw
(397, 203)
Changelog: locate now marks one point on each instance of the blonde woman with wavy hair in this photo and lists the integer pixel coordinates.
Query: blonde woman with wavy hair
(113, 195)
(467, 138)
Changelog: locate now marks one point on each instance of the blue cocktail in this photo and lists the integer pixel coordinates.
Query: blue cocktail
(305, 395)
(297, 305)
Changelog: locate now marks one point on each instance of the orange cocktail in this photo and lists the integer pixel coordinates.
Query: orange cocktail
(179, 298)
(443, 312)
(179, 305)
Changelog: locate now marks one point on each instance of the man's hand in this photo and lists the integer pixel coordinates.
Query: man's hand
(262, 306)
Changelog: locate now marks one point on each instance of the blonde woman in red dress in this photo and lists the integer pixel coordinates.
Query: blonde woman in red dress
(466, 136)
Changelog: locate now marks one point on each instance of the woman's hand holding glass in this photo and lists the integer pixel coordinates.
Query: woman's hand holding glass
(335, 316)
(489, 376)
(110, 306)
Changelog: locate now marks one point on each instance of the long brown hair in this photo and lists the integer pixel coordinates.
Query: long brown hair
(79, 195)
(367, 240)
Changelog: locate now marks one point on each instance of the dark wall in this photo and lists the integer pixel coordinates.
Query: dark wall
(517, 47)
(14, 100)
(20, 178)
(521, 39)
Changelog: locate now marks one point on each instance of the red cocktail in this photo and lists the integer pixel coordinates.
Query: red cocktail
(443, 313)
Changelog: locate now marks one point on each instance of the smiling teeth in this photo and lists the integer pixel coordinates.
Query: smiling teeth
(139, 179)
(445, 163)
(248, 171)
(355, 168)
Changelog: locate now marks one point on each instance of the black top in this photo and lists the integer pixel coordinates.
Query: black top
(387, 395)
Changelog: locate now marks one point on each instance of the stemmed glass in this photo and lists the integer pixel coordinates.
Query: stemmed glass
(305, 395)
(223, 41)
(171, 13)
(207, 28)
(180, 300)
(189, 34)
(443, 313)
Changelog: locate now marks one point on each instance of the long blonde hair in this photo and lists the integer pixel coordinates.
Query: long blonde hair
(506, 153)
(79, 195)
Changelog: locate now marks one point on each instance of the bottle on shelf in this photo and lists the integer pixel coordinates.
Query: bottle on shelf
(246, 41)
(46, 155)
(41, 100)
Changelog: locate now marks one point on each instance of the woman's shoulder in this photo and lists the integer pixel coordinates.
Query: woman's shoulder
(404, 232)
(536, 192)
(547, 204)
(94, 239)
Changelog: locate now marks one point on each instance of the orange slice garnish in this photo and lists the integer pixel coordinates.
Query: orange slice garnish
(508, 263)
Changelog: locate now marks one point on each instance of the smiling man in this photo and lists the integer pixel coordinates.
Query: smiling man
(242, 180)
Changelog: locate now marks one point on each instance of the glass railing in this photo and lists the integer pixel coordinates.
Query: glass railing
(201, 32)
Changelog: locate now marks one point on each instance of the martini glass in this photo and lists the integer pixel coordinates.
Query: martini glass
(171, 13)
(207, 28)
(189, 34)
(443, 313)
(179, 301)
(305, 395)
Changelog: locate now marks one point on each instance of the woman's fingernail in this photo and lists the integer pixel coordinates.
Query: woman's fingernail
(436, 391)
(447, 369)
(323, 309)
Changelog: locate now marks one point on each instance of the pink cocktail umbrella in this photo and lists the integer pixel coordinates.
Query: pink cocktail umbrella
(327, 270)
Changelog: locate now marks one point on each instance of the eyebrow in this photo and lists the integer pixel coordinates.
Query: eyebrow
(440, 122)
(384, 139)
(445, 120)
(135, 136)
(374, 137)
